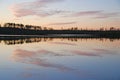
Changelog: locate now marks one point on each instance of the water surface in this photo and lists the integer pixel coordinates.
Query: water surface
(59, 59)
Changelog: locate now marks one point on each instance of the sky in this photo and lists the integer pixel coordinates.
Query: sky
(62, 13)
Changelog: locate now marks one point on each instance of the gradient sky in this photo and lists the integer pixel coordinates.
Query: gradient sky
(62, 13)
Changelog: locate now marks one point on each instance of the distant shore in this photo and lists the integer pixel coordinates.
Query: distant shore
(21, 30)
(57, 36)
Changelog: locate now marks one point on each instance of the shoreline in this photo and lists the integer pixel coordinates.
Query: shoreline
(60, 36)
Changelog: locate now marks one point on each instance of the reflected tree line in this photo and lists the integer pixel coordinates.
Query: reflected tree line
(22, 40)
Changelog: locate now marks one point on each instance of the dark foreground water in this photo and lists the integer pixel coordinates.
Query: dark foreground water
(60, 59)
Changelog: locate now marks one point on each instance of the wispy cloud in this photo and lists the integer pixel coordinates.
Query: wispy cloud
(87, 13)
(107, 15)
(36, 8)
(99, 14)
(40, 8)
(63, 23)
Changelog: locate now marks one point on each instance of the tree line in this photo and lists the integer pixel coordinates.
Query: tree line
(20, 29)
(22, 26)
(33, 27)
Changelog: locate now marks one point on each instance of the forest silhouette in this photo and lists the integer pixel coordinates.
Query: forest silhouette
(21, 29)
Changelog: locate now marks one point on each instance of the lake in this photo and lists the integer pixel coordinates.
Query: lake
(59, 59)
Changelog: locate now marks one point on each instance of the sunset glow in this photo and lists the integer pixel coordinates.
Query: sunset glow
(62, 13)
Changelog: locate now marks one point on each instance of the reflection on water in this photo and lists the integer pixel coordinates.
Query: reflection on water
(22, 40)
(31, 57)
(59, 59)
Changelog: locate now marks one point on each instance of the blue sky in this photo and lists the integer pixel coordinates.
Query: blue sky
(57, 13)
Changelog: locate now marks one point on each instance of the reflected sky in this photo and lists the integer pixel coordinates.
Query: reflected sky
(60, 59)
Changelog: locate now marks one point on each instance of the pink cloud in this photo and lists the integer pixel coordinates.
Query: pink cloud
(36, 8)
(100, 14)
(87, 13)
(39, 8)
(64, 23)
(48, 1)
(107, 15)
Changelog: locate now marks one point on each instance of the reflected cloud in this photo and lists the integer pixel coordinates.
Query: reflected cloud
(43, 63)
(76, 52)
(35, 58)
(24, 53)
(101, 50)
(13, 40)
(105, 51)
(27, 75)
(95, 52)
(63, 43)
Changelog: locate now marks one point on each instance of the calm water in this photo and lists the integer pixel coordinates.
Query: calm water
(59, 59)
